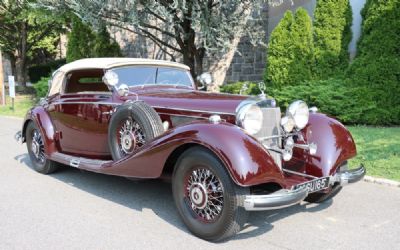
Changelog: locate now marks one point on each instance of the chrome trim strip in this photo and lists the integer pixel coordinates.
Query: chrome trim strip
(298, 173)
(100, 103)
(194, 110)
(191, 116)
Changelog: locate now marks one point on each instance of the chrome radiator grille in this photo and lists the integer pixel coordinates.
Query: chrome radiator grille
(271, 125)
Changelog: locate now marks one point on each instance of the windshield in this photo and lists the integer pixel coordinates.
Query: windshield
(136, 76)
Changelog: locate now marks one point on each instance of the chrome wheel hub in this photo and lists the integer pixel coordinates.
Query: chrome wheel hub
(198, 195)
(205, 194)
(128, 142)
(131, 136)
(37, 146)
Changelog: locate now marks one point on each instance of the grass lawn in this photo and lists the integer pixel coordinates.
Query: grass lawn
(378, 147)
(379, 150)
(21, 104)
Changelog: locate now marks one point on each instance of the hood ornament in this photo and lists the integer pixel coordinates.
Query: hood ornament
(262, 88)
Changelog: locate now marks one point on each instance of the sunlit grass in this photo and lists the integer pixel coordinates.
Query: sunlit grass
(379, 150)
(22, 104)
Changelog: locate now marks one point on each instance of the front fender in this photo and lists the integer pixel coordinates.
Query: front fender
(246, 160)
(334, 141)
(42, 119)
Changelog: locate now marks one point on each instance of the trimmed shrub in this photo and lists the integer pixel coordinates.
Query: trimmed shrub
(43, 70)
(376, 68)
(351, 105)
(42, 87)
(290, 52)
(235, 88)
(332, 35)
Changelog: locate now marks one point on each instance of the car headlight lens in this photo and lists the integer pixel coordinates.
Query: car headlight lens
(250, 118)
(298, 110)
(287, 123)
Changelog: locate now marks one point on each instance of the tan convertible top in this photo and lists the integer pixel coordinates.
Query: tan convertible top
(106, 63)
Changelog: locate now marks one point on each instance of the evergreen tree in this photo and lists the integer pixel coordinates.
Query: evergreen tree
(105, 46)
(279, 56)
(80, 41)
(376, 68)
(83, 42)
(303, 48)
(332, 35)
(290, 53)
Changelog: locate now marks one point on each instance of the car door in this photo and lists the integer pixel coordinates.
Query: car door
(81, 115)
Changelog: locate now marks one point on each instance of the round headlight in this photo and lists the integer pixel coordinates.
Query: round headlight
(298, 110)
(287, 123)
(250, 118)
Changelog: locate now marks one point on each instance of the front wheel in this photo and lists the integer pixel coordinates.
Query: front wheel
(210, 204)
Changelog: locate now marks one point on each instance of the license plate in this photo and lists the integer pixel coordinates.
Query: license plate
(315, 185)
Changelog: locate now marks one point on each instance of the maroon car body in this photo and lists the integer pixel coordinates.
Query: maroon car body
(75, 127)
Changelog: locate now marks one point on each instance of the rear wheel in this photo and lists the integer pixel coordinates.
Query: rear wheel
(210, 204)
(35, 145)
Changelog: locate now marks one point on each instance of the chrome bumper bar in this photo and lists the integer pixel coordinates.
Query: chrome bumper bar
(349, 176)
(285, 197)
(279, 199)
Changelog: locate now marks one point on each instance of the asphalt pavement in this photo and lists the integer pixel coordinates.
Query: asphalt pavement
(73, 209)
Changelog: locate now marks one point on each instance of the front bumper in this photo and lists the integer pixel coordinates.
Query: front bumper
(285, 197)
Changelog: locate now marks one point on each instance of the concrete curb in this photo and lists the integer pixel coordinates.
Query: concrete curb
(381, 181)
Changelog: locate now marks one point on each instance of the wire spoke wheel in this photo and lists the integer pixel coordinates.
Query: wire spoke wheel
(37, 147)
(204, 194)
(130, 136)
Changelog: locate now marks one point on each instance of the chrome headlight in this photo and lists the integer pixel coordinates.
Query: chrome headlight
(298, 110)
(250, 118)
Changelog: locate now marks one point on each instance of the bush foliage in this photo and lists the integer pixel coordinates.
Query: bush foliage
(42, 87)
(332, 35)
(235, 88)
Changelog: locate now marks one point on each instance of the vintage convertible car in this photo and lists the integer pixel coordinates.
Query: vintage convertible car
(226, 154)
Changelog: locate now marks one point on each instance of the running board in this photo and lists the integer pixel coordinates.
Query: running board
(79, 162)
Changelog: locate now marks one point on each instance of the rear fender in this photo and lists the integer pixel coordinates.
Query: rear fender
(42, 119)
(246, 160)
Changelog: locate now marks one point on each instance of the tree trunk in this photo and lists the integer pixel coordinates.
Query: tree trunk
(20, 57)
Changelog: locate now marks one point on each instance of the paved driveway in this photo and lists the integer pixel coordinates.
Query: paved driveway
(73, 209)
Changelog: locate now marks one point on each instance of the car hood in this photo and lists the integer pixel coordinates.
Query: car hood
(191, 100)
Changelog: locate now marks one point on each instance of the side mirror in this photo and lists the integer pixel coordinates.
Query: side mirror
(205, 79)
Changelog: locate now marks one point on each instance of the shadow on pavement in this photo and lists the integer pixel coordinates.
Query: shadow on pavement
(157, 196)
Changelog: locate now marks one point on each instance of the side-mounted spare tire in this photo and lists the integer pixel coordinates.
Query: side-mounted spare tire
(132, 125)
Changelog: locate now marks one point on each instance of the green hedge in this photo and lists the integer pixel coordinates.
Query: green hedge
(335, 97)
(43, 70)
(42, 87)
(234, 88)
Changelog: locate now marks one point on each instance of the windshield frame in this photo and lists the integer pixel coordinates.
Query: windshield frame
(192, 83)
